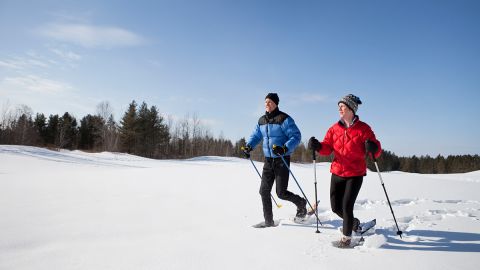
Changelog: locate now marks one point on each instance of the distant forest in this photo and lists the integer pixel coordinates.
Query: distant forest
(143, 131)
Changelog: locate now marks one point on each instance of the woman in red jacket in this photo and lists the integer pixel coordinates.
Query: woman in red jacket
(350, 140)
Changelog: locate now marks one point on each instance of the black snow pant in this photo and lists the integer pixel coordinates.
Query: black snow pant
(274, 170)
(343, 193)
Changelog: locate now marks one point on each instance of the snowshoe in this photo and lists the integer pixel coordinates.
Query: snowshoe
(300, 220)
(365, 227)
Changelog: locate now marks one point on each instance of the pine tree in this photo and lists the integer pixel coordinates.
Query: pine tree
(144, 132)
(161, 136)
(128, 129)
(90, 132)
(152, 133)
(24, 131)
(440, 164)
(40, 124)
(52, 129)
(67, 132)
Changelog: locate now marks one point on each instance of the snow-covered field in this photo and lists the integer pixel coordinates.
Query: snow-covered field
(76, 210)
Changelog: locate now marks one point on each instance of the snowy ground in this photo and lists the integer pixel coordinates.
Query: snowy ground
(76, 210)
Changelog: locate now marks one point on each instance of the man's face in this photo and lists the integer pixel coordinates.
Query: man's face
(270, 106)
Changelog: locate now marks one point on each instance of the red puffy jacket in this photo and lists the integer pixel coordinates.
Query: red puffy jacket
(348, 147)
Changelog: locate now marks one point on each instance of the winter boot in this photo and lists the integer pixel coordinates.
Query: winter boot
(302, 209)
(269, 223)
(345, 242)
(356, 226)
(265, 224)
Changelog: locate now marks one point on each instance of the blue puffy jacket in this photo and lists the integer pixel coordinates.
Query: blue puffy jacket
(275, 128)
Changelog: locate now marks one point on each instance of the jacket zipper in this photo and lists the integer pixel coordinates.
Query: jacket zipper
(268, 142)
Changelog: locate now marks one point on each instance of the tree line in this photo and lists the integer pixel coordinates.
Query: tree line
(143, 131)
(388, 161)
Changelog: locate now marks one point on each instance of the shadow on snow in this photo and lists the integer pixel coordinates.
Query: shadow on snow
(430, 240)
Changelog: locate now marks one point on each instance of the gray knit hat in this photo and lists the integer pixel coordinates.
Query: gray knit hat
(351, 101)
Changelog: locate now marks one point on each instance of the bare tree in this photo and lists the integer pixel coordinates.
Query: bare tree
(24, 131)
(108, 130)
(16, 125)
(112, 136)
(25, 127)
(104, 110)
(170, 123)
(196, 135)
(6, 118)
(185, 136)
(175, 150)
(67, 132)
(23, 109)
(61, 140)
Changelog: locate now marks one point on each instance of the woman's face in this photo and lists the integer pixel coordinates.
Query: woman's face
(344, 111)
(270, 106)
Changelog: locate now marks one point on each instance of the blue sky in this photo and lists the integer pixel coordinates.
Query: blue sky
(415, 64)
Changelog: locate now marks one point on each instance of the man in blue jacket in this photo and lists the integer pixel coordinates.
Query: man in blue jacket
(280, 138)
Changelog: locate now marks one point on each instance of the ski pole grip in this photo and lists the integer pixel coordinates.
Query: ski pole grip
(313, 155)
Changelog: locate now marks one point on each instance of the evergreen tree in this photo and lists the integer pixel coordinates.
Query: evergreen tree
(152, 133)
(440, 164)
(40, 124)
(161, 135)
(128, 129)
(90, 132)
(52, 129)
(67, 132)
(24, 131)
(145, 132)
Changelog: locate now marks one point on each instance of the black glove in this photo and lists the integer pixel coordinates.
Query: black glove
(246, 150)
(371, 147)
(279, 150)
(314, 144)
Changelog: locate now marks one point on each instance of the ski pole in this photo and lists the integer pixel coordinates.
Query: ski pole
(305, 196)
(315, 175)
(278, 205)
(399, 233)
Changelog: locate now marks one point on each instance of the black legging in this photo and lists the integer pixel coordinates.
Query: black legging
(343, 193)
(274, 170)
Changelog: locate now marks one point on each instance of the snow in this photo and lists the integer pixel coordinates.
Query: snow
(375, 241)
(77, 210)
